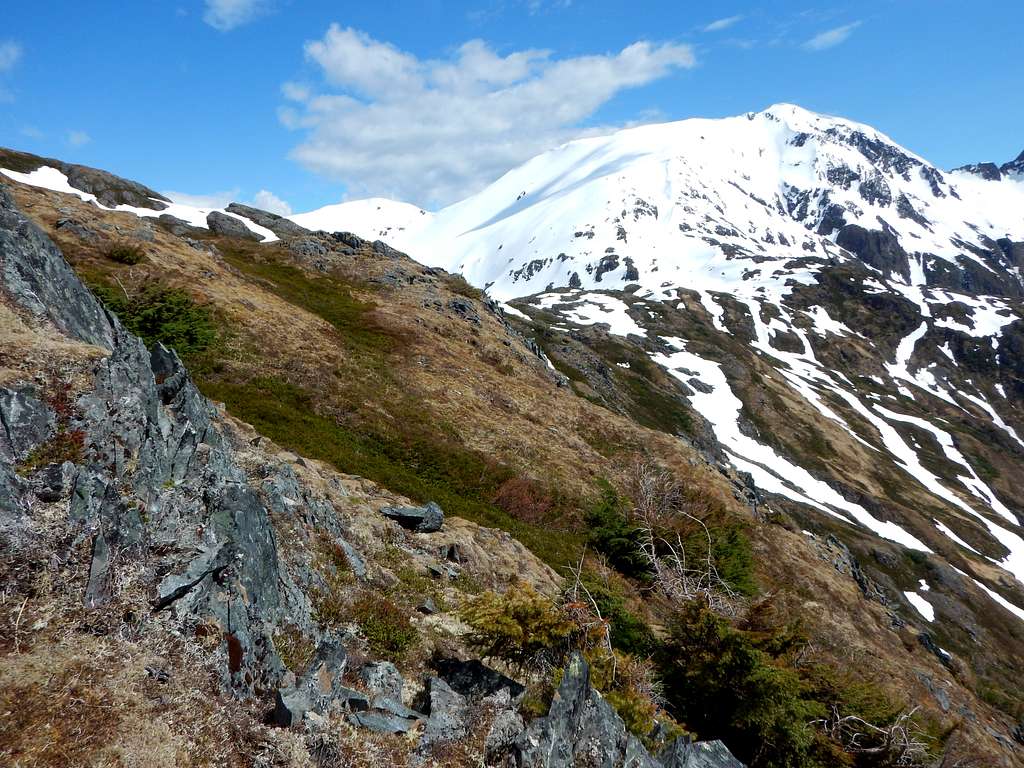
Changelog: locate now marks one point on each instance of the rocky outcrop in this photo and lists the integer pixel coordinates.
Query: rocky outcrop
(229, 226)
(875, 248)
(157, 489)
(279, 225)
(318, 688)
(426, 519)
(110, 190)
(1015, 167)
(581, 728)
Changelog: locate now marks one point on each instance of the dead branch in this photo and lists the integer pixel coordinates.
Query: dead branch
(658, 500)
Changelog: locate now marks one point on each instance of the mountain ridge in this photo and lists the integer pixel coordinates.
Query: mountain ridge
(794, 329)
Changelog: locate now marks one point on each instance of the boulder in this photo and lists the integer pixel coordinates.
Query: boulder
(448, 713)
(581, 728)
(382, 722)
(223, 224)
(428, 607)
(176, 226)
(504, 730)
(382, 679)
(111, 190)
(290, 706)
(319, 687)
(474, 680)
(426, 519)
(279, 225)
(77, 229)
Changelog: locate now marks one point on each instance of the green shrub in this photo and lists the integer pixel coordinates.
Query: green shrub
(727, 684)
(295, 649)
(125, 253)
(614, 536)
(629, 633)
(162, 314)
(733, 556)
(387, 629)
(517, 626)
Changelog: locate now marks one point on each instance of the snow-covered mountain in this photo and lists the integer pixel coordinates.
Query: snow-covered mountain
(695, 202)
(843, 315)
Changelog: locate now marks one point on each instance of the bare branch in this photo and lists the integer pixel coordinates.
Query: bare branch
(658, 500)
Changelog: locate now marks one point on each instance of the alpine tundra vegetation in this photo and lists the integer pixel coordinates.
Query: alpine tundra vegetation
(690, 444)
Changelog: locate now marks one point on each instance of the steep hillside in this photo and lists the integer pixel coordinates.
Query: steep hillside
(415, 385)
(845, 316)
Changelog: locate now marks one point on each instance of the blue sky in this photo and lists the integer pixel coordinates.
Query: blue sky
(302, 103)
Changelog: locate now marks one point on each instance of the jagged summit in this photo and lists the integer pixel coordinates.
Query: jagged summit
(1014, 169)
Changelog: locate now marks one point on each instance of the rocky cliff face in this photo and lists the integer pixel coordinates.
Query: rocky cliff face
(165, 526)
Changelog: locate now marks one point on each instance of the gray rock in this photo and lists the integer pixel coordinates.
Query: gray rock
(394, 707)
(318, 689)
(178, 227)
(383, 249)
(382, 679)
(475, 680)
(38, 279)
(53, 482)
(76, 229)
(381, 722)
(505, 728)
(683, 753)
(425, 519)
(347, 238)
(222, 224)
(109, 189)
(355, 560)
(448, 713)
(290, 706)
(25, 422)
(143, 232)
(158, 485)
(581, 728)
(465, 309)
(279, 225)
(428, 607)
(354, 700)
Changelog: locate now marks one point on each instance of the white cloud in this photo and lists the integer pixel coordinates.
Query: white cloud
(78, 138)
(268, 201)
(296, 91)
(10, 54)
(831, 37)
(225, 15)
(264, 200)
(210, 200)
(719, 24)
(431, 131)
